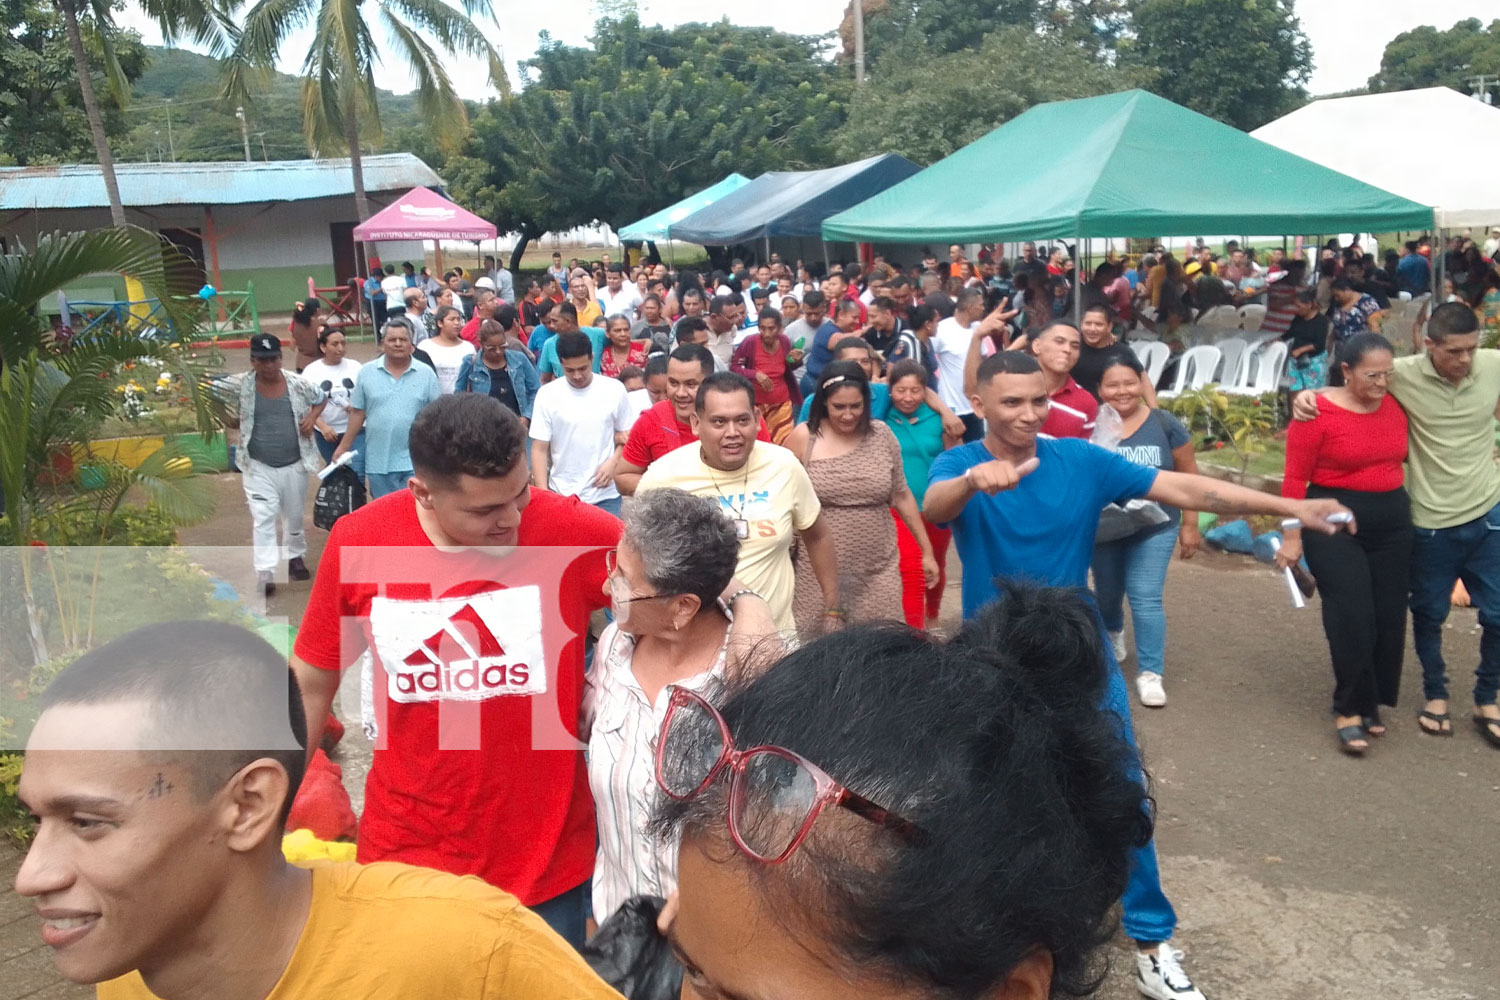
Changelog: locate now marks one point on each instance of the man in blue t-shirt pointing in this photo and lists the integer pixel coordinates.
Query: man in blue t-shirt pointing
(1026, 507)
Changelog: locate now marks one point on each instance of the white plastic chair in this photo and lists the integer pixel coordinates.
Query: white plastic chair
(1195, 369)
(1252, 316)
(1233, 349)
(1267, 363)
(1154, 356)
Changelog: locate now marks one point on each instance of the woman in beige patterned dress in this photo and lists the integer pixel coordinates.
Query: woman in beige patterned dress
(855, 466)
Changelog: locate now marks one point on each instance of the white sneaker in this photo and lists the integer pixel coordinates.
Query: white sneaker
(1148, 686)
(1160, 976)
(1117, 642)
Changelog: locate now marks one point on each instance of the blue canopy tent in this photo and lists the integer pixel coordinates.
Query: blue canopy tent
(792, 203)
(658, 225)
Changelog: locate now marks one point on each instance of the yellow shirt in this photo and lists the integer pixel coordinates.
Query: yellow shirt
(771, 495)
(590, 313)
(389, 931)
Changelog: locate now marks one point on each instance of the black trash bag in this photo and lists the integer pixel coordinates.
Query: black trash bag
(339, 494)
(630, 954)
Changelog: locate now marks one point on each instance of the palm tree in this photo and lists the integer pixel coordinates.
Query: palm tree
(55, 392)
(205, 21)
(338, 82)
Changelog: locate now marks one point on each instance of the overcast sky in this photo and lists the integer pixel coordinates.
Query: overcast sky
(1348, 36)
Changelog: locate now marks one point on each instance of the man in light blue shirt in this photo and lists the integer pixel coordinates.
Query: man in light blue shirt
(565, 320)
(387, 397)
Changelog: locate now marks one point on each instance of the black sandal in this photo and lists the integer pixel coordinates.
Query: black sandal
(1371, 722)
(1489, 728)
(1441, 720)
(1347, 736)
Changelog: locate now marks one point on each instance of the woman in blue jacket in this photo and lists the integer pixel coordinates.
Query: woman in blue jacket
(500, 371)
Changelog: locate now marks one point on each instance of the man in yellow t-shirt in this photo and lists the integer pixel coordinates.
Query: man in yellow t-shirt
(161, 771)
(763, 488)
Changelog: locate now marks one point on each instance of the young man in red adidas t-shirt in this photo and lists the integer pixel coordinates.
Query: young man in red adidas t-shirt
(476, 629)
(667, 426)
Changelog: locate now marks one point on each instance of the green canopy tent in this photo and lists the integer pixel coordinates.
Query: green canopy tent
(658, 225)
(1126, 164)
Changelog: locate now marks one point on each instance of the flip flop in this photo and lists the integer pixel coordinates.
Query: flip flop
(1440, 719)
(1489, 728)
(1347, 736)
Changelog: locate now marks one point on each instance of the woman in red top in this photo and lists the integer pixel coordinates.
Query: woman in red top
(619, 350)
(1353, 452)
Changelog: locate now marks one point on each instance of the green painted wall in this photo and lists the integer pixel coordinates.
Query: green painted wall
(277, 289)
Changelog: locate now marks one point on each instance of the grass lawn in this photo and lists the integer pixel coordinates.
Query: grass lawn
(1268, 463)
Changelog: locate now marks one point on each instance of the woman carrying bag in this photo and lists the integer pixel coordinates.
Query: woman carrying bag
(1134, 563)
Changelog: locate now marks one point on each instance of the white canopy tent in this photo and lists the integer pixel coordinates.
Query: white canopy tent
(1434, 146)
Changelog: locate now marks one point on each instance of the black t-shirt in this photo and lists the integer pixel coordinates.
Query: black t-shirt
(502, 389)
(1373, 290)
(1305, 332)
(1088, 371)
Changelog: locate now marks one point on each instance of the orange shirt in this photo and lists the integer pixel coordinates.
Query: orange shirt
(393, 932)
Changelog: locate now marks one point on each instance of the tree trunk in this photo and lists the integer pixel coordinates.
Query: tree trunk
(356, 161)
(91, 111)
(528, 233)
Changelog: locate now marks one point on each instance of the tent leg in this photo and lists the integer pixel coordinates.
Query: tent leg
(1077, 290)
(767, 259)
(827, 263)
(437, 258)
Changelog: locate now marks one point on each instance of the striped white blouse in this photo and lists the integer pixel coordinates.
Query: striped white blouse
(622, 727)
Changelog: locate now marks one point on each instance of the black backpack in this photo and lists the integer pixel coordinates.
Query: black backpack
(339, 494)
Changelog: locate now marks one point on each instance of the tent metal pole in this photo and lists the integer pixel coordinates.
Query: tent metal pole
(767, 258)
(1077, 290)
(827, 262)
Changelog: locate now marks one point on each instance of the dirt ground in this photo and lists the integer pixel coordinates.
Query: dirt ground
(1296, 872)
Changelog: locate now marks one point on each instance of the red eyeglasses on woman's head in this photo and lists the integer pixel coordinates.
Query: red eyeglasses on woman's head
(775, 795)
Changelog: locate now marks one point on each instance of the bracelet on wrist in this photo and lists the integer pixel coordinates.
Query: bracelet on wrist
(729, 601)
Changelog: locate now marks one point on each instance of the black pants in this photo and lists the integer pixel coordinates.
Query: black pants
(1363, 580)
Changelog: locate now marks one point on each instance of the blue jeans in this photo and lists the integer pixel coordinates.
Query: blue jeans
(612, 505)
(1471, 553)
(357, 463)
(1147, 914)
(1136, 567)
(567, 914)
(382, 483)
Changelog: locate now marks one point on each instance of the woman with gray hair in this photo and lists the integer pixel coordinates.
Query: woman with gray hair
(674, 561)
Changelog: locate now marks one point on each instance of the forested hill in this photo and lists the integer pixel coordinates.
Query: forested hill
(184, 86)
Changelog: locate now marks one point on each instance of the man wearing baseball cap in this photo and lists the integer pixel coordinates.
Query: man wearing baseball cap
(276, 413)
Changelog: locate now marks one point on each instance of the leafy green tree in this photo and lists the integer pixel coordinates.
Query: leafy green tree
(899, 32)
(41, 103)
(1427, 57)
(203, 21)
(1241, 61)
(643, 118)
(925, 110)
(339, 97)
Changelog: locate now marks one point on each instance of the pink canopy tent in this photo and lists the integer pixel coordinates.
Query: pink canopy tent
(423, 214)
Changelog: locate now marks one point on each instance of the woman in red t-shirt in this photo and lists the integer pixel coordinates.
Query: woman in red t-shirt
(1353, 452)
(619, 350)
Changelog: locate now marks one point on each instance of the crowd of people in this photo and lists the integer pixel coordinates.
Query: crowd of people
(756, 475)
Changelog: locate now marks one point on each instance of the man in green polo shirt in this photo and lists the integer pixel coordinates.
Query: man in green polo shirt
(1451, 395)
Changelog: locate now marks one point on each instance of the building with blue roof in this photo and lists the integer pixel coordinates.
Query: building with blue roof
(274, 223)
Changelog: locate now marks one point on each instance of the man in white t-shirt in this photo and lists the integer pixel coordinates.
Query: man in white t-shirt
(950, 346)
(578, 425)
(619, 297)
(761, 487)
(394, 285)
